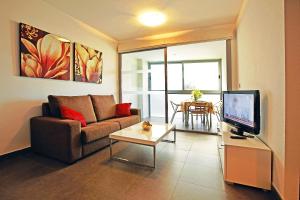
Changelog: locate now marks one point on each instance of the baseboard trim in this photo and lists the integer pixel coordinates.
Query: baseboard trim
(275, 193)
(15, 153)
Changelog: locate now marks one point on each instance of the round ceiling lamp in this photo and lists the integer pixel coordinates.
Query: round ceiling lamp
(152, 18)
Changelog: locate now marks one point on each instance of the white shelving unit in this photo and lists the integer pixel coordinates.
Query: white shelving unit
(245, 161)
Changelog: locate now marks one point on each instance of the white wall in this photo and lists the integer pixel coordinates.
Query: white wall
(21, 97)
(260, 49)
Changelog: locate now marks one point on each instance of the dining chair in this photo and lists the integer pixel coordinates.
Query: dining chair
(176, 109)
(201, 110)
(218, 109)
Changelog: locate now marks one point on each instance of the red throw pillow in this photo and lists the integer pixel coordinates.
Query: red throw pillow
(123, 109)
(68, 113)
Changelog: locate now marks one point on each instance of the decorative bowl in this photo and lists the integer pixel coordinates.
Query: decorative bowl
(146, 125)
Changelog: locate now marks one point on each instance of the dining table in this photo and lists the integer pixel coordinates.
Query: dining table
(186, 104)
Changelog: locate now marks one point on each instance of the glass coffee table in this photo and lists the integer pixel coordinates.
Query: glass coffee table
(136, 135)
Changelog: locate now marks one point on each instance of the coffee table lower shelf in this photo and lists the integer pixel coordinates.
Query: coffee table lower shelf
(135, 163)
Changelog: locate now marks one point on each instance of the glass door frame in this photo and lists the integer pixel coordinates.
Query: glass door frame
(167, 92)
(165, 75)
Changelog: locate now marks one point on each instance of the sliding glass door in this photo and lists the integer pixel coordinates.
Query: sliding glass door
(144, 85)
(196, 66)
(185, 76)
(150, 79)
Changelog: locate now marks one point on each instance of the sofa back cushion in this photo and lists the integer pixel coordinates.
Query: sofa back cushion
(46, 110)
(82, 104)
(104, 106)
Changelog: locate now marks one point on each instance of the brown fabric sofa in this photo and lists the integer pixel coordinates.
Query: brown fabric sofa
(66, 140)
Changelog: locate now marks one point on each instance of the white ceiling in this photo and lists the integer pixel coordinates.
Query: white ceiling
(118, 18)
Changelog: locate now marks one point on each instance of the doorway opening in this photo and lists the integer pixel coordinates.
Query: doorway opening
(154, 79)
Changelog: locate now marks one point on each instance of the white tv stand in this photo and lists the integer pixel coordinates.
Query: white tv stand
(245, 161)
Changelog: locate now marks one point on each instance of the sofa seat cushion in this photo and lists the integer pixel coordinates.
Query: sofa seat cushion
(98, 130)
(82, 104)
(104, 106)
(126, 121)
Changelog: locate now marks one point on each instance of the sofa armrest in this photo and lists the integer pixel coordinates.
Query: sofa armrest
(136, 111)
(56, 138)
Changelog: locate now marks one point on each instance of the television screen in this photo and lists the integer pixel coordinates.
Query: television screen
(239, 108)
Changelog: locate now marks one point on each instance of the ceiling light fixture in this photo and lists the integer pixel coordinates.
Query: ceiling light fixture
(152, 18)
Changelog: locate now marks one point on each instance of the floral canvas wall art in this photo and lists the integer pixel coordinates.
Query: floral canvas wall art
(43, 55)
(88, 64)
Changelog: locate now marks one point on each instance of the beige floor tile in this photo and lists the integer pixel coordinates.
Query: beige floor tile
(187, 191)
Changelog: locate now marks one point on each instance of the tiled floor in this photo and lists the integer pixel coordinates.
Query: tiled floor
(187, 170)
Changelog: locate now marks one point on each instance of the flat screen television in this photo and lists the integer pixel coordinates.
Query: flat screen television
(241, 108)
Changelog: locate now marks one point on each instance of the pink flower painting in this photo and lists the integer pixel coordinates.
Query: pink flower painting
(87, 64)
(43, 55)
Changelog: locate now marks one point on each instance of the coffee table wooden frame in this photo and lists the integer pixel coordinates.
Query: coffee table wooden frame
(141, 142)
